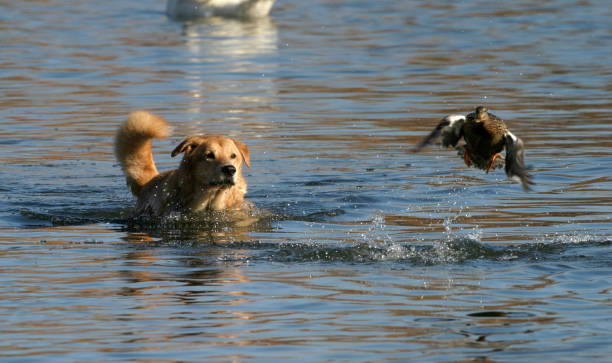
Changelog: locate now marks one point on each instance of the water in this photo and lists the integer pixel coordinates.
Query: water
(363, 250)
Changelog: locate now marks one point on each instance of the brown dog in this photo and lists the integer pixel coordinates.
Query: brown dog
(208, 178)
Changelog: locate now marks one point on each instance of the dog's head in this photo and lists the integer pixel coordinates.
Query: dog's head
(213, 160)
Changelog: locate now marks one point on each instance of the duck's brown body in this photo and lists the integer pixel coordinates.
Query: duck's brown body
(485, 135)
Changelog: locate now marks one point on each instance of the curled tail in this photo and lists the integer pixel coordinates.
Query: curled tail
(133, 147)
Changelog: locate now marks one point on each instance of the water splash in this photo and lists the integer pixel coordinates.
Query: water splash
(375, 244)
(459, 251)
(376, 234)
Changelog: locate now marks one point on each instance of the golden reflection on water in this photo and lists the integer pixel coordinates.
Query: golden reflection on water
(191, 296)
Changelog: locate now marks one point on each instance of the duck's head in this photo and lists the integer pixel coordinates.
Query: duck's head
(481, 113)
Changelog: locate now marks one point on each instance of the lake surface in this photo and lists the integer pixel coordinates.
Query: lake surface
(364, 250)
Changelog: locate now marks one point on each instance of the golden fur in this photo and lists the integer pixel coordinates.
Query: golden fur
(209, 176)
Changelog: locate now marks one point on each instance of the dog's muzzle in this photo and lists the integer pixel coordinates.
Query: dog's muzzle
(229, 170)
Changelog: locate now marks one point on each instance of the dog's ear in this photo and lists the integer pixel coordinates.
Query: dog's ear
(244, 151)
(186, 146)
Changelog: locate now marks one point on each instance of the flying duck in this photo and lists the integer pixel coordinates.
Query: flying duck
(485, 135)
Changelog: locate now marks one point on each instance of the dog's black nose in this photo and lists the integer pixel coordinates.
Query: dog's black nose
(229, 170)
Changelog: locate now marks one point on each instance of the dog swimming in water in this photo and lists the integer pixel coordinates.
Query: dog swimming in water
(209, 176)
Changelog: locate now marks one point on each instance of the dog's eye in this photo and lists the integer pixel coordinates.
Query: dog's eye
(210, 155)
(233, 156)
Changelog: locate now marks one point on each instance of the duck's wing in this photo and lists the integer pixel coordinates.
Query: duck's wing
(450, 129)
(515, 161)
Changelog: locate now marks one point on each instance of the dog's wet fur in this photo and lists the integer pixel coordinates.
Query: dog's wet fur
(209, 176)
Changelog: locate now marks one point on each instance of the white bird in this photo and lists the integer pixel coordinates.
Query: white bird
(193, 9)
